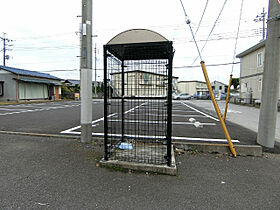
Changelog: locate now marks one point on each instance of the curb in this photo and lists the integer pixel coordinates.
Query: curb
(241, 150)
(39, 134)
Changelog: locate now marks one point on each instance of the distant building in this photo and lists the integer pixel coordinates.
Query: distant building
(219, 87)
(72, 82)
(193, 87)
(75, 82)
(19, 84)
(141, 83)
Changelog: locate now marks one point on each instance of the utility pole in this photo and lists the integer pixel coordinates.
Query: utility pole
(270, 87)
(86, 72)
(259, 18)
(95, 85)
(4, 39)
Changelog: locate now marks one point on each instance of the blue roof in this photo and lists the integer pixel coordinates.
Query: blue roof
(28, 73)
(74, 82)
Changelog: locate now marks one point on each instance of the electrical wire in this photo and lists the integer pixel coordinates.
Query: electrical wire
(60, 70)
(218, 39)
(206, 4)
(237, 36)
(175, 67)
(188, 23)
(212, 28)
(197, 66)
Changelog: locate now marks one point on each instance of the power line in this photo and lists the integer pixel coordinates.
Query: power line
(206, 4)
(197, 66)
(57, 70)
(188, 23)
(213, 27)
(237, 35)
(175, 67)
(44, 36)
(218, 39)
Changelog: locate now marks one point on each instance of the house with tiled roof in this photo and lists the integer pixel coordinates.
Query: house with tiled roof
(20, 84)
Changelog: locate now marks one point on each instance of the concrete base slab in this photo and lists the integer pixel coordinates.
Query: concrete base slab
(242, 150)
(154, 168)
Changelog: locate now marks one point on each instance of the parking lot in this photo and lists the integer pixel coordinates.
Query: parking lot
(39, 172)
(189, 123)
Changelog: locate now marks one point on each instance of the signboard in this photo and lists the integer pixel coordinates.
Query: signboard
(77, 96)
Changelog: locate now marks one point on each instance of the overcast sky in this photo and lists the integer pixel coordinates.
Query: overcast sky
(45, 32)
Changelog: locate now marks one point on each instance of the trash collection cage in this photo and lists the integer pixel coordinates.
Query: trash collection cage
(137, 102)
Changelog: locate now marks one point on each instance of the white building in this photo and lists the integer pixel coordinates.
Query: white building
(193, 87)
(141, 83)
(251, 73)
(219, 87)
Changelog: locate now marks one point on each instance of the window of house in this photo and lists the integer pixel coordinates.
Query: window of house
(1, 88)
(260, 59)
(220, 87)
(260, 85)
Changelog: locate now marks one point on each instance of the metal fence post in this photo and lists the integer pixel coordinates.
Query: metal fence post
(105, 106)
(169, 105)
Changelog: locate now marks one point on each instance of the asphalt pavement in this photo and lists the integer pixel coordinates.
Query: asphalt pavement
(50, 173)
(245, 116)
(64, 118)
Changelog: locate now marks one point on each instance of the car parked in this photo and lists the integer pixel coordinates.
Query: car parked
(203, 96)
(223, 96)
(182, 96)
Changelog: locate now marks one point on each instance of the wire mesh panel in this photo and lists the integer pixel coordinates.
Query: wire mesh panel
(137, 102)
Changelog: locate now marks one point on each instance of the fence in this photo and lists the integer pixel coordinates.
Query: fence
(137, 102)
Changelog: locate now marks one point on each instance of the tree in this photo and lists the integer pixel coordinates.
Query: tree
(235, 82)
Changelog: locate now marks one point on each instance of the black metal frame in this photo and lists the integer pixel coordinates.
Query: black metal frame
(125, 110)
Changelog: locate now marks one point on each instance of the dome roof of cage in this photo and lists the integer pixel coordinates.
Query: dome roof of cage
(137, 36)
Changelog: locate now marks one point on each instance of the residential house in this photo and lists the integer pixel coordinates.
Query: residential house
(251, 73)
(76, 82)
(193, 87)
(141, 84)
(19, 84)
(219, 87)
(72, 82)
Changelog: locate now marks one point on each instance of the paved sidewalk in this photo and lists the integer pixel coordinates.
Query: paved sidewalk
(245, 116)
(49, 173)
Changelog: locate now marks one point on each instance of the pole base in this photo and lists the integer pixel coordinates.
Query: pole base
(86, 133)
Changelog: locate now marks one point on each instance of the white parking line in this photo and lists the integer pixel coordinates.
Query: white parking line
(213, 118)
(180, 138)
(160, 122)
(71, 130)
(5, 109)
(198, 116)
(36, 110)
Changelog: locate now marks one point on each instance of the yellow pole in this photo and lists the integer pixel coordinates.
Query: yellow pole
(227, 99)
(231, 147)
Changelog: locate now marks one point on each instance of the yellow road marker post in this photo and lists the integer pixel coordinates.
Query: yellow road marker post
(227, 98)
(231, 146)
